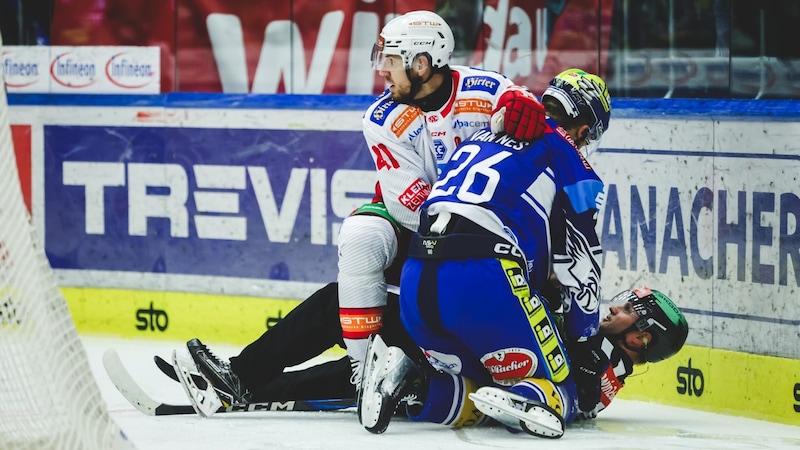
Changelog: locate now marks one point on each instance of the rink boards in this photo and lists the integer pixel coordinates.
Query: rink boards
(168, 217)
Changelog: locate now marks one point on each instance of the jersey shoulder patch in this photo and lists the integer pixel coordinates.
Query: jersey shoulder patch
(379, 111)
(404, 119)
(483, 83)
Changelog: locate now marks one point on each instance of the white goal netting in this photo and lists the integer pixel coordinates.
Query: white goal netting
(48, 396)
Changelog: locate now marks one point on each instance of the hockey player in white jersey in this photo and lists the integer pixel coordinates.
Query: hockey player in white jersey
(411, 131)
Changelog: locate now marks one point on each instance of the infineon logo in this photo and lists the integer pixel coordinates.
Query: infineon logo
(19, 73)
(69, 69)
(126, 70)
(25, 68)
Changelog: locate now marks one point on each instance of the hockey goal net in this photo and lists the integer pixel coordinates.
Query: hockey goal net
(48, 396)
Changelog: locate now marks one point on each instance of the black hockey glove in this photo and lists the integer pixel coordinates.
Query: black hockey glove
(588, 362)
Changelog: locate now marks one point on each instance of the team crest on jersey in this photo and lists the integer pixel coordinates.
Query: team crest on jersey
(439, 148)
(509, 365)
(381, 112)
(477, 83)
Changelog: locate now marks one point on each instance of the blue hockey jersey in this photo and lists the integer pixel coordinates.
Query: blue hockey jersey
(544, 199)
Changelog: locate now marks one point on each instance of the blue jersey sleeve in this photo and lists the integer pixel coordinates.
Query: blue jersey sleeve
(576, 246)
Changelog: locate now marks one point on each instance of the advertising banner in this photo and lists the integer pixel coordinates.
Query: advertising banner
(21, 139)
(708, 214)
(82, 70)
(209, 202)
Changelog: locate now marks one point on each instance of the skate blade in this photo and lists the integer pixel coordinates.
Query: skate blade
(370, 400)
(539, 420)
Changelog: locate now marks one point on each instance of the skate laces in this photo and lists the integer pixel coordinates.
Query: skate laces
(356, 367)
(223, 366)
(411, 399)
(209, 356)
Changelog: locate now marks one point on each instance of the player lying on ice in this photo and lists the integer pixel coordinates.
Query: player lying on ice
(314, 326)
(332, 379)
(642, 326)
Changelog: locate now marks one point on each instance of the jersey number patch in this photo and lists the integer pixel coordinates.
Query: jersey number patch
(480, 181)
(384, 158)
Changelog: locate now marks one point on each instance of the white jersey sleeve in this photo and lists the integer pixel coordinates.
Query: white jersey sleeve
(404, 159)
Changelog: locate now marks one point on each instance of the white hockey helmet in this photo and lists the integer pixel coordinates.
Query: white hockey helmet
(410, 35)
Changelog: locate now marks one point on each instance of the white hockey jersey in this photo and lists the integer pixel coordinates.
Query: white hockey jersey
(409, 146)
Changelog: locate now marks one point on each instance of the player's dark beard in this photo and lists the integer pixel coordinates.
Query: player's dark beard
(416, 85)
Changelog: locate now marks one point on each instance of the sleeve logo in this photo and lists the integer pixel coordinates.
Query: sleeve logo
(486, 84)
(413, 197)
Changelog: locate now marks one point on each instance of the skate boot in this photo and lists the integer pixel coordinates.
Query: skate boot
(227, 385)
(389, 376)
(519, 413)
(201, 393)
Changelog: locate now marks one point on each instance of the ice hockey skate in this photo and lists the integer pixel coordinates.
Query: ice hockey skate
(200, 391)
(389, 376)
(519, 413)
(217, 372)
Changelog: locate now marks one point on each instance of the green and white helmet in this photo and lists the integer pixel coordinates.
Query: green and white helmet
(410, 35)
(659, 316)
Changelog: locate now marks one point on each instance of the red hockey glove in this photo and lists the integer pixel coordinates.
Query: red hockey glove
(519, 114)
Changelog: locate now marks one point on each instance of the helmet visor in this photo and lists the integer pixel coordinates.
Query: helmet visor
(383, 61)
(590, 147)
(574, 105)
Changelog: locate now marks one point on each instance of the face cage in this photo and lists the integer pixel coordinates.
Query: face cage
(646, 308)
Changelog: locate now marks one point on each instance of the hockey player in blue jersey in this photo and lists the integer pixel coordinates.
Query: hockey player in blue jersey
(503, 218)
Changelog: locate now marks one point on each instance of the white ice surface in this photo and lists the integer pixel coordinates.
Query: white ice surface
(624, 425)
